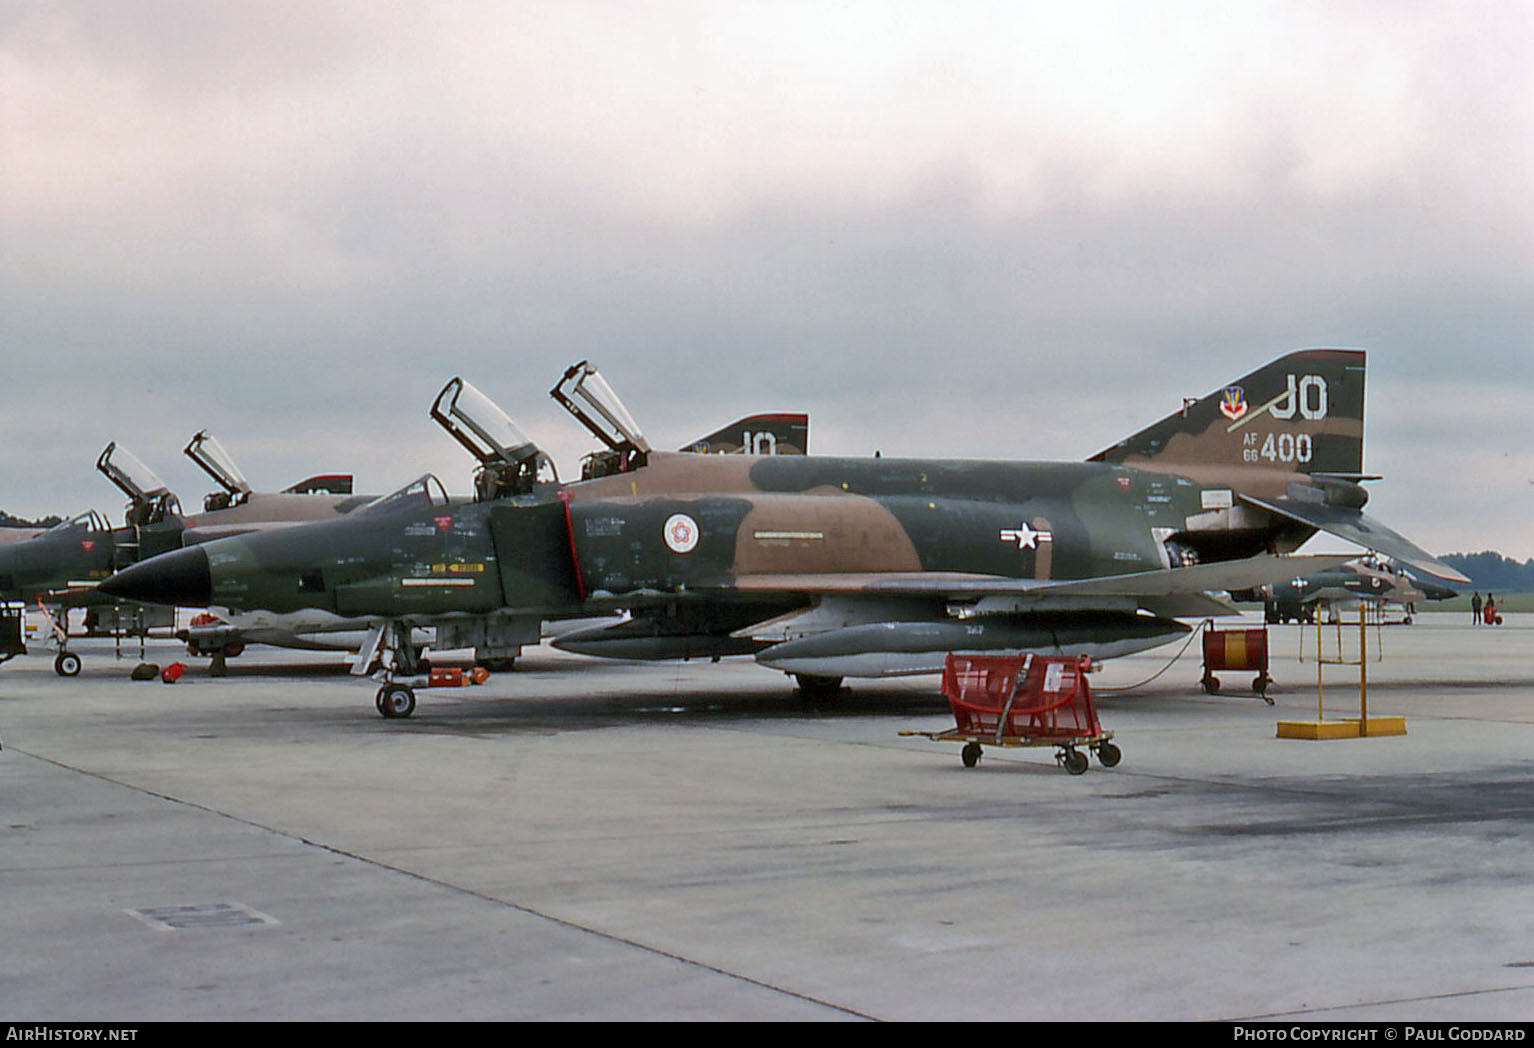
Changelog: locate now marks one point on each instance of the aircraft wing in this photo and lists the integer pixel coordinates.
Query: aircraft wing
(884, 625)
(1358, 527)
(1160, 583)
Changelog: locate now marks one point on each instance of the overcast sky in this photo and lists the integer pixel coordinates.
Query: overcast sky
(1010, 230)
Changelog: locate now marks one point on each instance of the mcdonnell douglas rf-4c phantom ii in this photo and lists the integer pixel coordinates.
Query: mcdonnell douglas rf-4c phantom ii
(60, 568)
(828, 567)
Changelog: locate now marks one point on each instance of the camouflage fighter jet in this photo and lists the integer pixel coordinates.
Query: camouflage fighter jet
(1368, 579)
(59, 569)
(784, 434)
(239, 508)
(832, 567)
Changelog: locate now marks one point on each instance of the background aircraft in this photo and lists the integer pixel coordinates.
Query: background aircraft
(830, 567)
(58, 570)
(1368, 579)
(9, 535)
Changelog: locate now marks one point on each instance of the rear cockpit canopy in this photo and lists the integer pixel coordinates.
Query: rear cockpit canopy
(586, 395)
(425, 492)
(207, 452)
(510, 463)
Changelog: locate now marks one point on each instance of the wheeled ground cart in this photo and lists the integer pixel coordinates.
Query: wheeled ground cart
(1023, 700)
(1239, 651)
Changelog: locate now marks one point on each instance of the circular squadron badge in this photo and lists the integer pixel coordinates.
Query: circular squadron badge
(681, 533)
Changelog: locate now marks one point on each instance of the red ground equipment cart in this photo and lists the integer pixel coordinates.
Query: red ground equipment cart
(1239, 651)
(1023, 700)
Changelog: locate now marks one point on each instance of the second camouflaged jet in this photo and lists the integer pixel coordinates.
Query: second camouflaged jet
(1368, 581)
(831, 567)
(58, 570)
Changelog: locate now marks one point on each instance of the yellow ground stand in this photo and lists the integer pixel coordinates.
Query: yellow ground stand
(1347, 728)
(1361, 727)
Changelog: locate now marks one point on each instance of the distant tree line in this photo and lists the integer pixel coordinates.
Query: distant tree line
(1493, 571)
(9, 521)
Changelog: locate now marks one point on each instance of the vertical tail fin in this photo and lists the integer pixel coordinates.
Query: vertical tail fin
(1302, 413)
(768, 434)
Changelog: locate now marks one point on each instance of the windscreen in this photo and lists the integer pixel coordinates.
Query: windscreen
(90, 520)
(425, 492)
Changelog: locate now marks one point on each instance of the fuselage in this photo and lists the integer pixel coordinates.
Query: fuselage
(686, 525)
(61, 565)
(76, 553)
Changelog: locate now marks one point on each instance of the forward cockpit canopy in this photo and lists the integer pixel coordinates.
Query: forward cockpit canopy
(149, 500)
(510, 463)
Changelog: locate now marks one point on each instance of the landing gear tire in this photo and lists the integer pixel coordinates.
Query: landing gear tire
(971, 754)
(67, 664)
(1074, 761)
(1108, 755)
(812, 687)
(1211, 684)
(395, 701)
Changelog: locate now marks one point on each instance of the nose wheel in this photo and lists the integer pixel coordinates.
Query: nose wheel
(395, 701)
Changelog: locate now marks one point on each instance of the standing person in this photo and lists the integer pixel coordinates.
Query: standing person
(1475, 608)
(1491, 610)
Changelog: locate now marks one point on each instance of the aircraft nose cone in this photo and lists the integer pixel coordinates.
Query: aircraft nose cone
(180, 578)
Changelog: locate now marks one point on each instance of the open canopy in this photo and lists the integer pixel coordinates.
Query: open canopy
(509, 462)
(136, 480)
(586, 395)
(478, 423)
(207, 452)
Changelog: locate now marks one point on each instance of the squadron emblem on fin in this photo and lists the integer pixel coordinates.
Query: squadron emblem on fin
(1233, 402)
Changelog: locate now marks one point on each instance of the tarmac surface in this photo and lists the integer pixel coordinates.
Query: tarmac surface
(588, 840)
